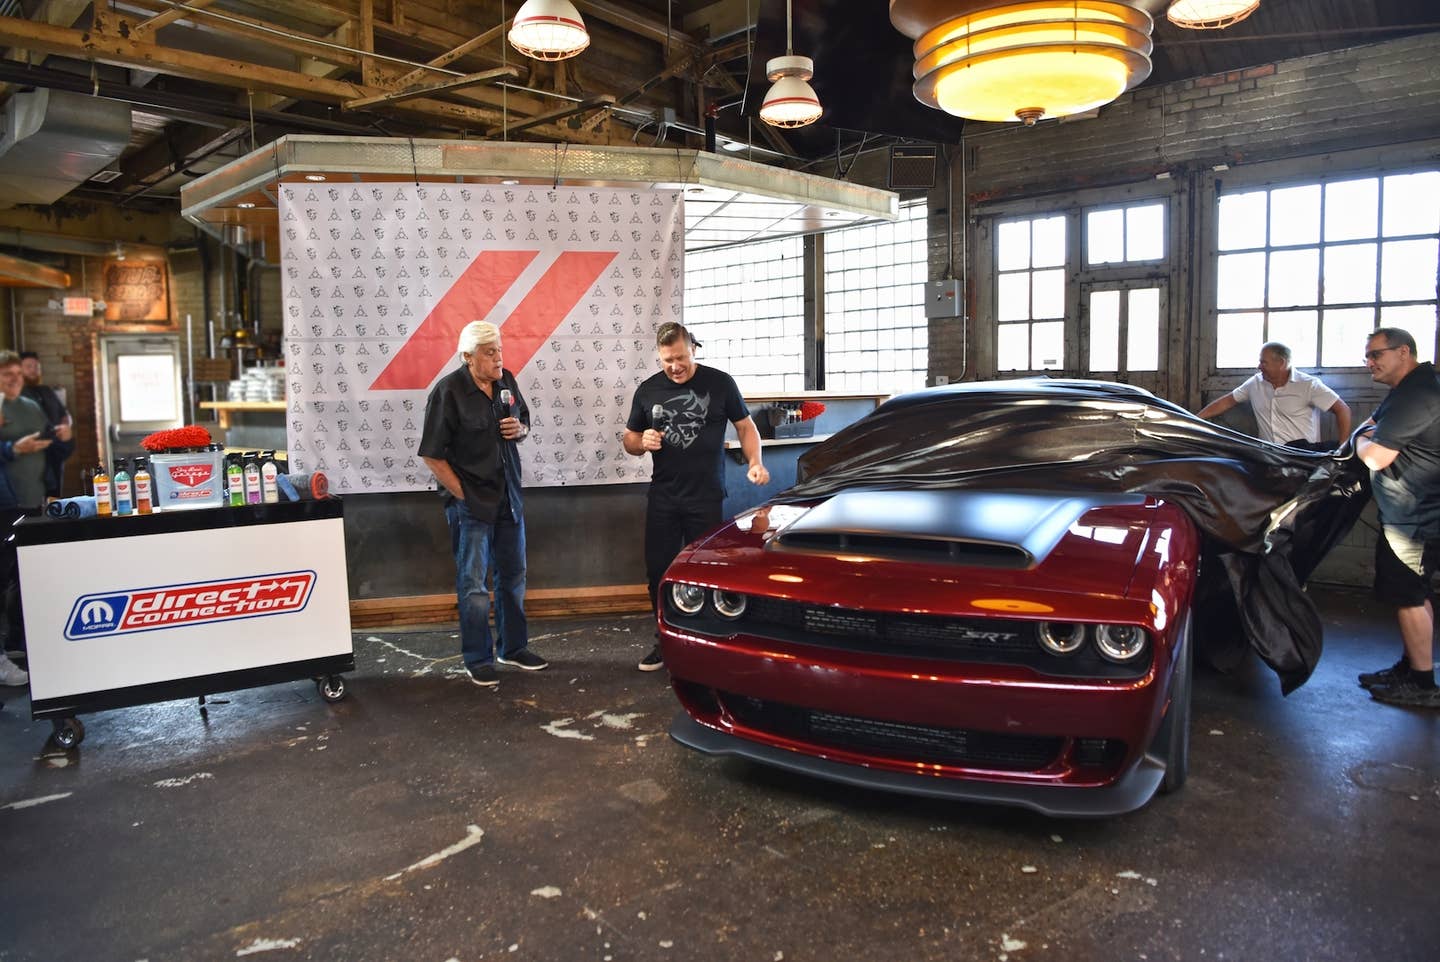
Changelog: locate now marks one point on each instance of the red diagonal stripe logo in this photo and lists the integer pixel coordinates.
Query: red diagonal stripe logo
(548, 303)
(474, 295)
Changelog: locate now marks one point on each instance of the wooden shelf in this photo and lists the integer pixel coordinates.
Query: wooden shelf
(223, 409)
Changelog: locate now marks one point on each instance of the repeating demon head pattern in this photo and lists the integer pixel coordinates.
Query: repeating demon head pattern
(378, 279)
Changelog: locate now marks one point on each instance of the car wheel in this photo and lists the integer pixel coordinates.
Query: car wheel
(1172, 741)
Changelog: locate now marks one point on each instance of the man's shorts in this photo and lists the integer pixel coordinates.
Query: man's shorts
(1404, 566)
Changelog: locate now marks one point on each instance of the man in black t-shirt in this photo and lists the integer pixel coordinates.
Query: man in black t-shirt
(1401, 446)
(679, 417)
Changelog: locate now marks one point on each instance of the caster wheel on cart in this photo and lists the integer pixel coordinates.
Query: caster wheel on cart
(69, 732)
(331, 687)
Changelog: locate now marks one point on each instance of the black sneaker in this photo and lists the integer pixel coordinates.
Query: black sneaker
(1409, 692)
(524, 658)
(652, 661)
(484, 675)
(1386, 676)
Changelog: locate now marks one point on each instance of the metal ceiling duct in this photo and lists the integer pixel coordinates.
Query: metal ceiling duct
(55, 140)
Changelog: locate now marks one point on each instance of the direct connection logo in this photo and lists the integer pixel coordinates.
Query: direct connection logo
(201, 602)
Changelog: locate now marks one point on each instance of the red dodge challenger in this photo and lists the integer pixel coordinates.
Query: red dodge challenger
(922, 615)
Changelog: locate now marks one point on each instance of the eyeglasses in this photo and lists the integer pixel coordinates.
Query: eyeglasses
(1375, 354)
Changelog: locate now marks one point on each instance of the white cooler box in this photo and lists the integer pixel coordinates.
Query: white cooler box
(195, 480)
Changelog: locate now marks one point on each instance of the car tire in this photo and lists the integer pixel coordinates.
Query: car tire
(1172, 741)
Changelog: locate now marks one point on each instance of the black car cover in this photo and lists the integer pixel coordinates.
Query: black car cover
(1268, 513)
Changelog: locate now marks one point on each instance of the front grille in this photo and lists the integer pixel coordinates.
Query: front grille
(896, 741)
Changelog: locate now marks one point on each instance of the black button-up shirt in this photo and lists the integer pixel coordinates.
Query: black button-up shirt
(462, 429)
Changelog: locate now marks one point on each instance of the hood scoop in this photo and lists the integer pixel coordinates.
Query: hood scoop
(986, 529)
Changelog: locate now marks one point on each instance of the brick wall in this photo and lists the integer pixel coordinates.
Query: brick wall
(1369, 96)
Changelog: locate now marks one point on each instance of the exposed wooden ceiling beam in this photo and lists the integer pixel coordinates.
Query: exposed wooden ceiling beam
(15, 272)
(599, 103)
(469, 80)
(171, 15)
(453, 54)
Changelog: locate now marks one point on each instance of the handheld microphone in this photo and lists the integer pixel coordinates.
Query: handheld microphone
(506, 398)
(658, 417)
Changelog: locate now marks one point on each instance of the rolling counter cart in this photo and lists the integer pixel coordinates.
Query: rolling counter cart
(132, 610)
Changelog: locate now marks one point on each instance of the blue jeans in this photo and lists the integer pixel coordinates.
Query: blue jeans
(478, 547)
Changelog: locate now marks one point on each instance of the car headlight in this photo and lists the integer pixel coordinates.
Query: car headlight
(1120, 642)
(687, 599)
(728, 604)
(1061, 637)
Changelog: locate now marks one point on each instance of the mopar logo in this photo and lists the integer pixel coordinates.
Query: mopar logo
(96, 615)
(200, 602)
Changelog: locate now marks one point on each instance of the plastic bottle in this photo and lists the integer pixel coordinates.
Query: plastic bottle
(144, 499)
(120, 484)
(235, 480)
(269, 478)
(252, 478)
(101, 481)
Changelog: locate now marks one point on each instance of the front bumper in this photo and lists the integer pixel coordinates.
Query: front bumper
(1127, 794)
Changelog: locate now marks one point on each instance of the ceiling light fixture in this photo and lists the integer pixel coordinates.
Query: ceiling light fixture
(548, 30)
(1024, 61)
(791, 101)
(1209, 14)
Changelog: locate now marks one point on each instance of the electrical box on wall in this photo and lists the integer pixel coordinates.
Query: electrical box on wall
(942, 299)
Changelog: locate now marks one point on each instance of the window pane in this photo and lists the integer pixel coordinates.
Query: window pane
(1419, 320)
(1238, 338)
(1240, 281)
(1350, 274)
(1345, 332)
(1013, 347)
(1142, 346)
(1145, 233)
(1412, 204)
(1012, 248)
(1242, 221)
(1049, 247)
(1407, 270)
(1351, 209)
(1294, 277)
(1012, 297)
(1105, 236)
(1297, 331)
(1049, 345)
(1049, 294)
(1295, 215)
(1105, 331)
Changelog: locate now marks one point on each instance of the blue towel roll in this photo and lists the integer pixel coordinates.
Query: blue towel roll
(71, 509)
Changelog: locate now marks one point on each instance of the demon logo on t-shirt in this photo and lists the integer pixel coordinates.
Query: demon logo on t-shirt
(686, 416)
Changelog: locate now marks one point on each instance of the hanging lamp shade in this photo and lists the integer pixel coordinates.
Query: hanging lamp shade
(1024, 61)
(1209, 14)
(791, 101)
(548, 30)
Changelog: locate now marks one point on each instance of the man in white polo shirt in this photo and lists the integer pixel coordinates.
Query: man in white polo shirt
(1287, 403)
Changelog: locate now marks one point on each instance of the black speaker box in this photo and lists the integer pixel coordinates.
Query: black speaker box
(912, 167)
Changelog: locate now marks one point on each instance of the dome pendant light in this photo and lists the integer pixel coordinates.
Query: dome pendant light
(791, 101)
(548, 30)
(1024, 61)
(1209, 14)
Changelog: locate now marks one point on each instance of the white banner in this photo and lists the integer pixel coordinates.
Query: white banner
(379, 279)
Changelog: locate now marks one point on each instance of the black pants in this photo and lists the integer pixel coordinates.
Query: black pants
(670, 526)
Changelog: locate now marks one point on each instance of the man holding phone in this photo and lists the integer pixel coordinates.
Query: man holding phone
(54, 407)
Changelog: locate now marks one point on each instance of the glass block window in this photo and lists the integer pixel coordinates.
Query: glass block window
(1124, 235)
(1030, 294)
(876, 335)
(1318, 266)
(746, 306)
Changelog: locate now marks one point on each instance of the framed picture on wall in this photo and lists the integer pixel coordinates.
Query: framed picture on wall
(137, 291)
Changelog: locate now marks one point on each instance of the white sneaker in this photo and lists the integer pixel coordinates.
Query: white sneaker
(11, 675)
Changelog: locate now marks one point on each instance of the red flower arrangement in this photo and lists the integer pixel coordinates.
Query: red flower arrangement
(190, 436)
(810, 410)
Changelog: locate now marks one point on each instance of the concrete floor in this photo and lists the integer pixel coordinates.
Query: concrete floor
(425, 819)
